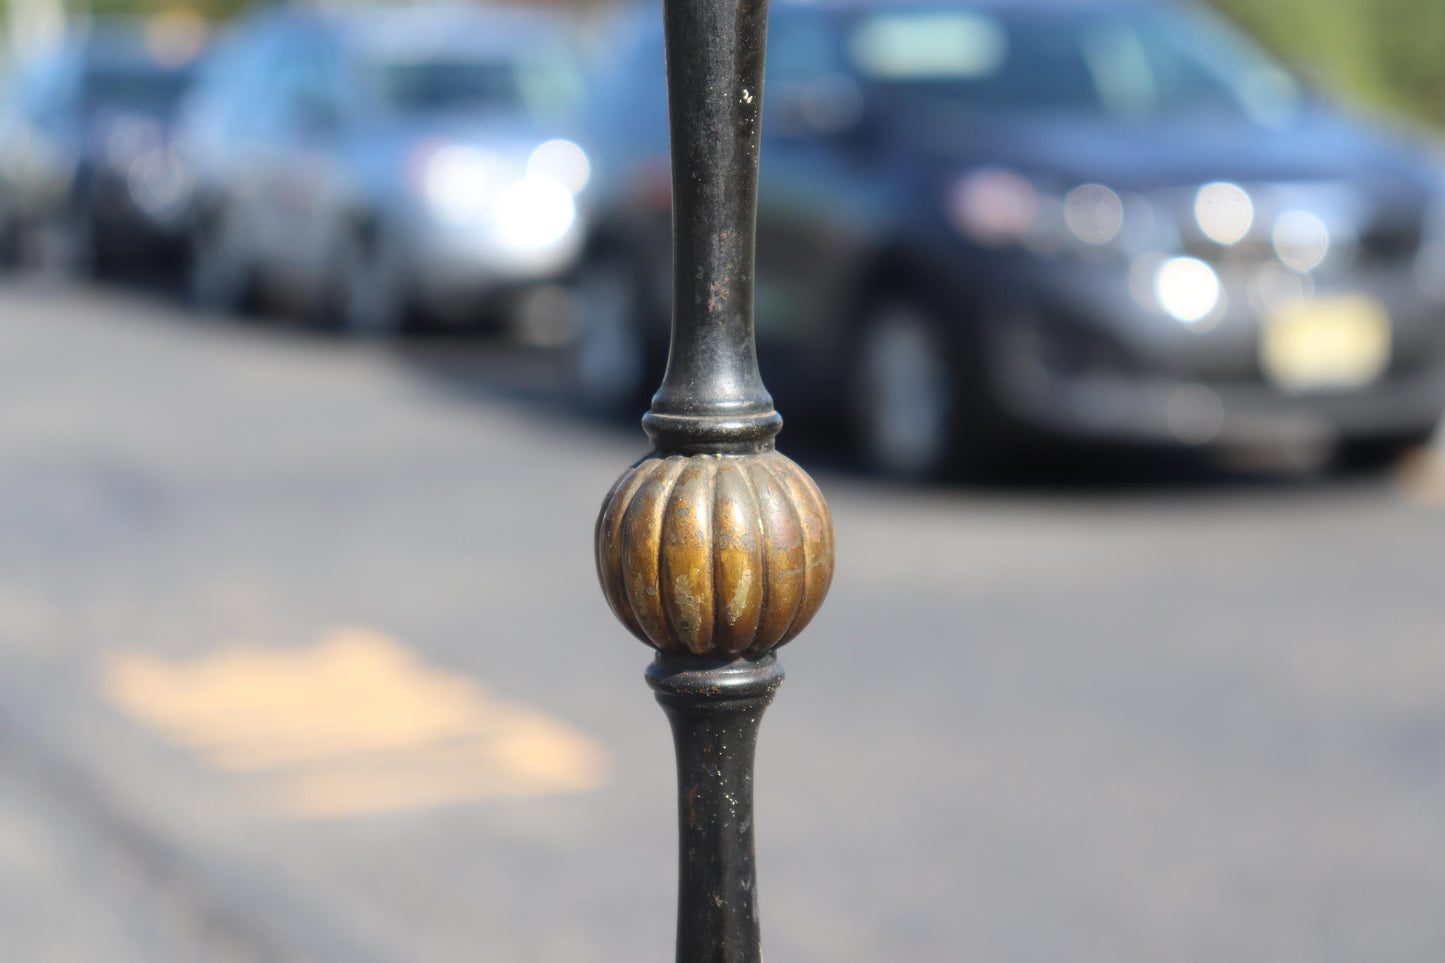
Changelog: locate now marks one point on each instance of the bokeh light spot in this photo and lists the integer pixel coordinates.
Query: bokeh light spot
(1224, 212)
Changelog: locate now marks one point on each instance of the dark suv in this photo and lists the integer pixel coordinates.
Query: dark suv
(88, 176)
(982, 223)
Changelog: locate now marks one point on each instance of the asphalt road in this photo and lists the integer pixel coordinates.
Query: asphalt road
(302, 658)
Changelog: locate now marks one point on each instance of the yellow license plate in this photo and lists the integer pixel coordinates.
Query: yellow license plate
(1326, 343)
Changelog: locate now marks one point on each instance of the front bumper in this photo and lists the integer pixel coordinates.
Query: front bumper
(453, 270)
(1166, 410)
(1089, 359)
(132, 225)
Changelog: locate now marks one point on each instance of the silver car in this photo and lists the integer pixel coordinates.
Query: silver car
(379, 162)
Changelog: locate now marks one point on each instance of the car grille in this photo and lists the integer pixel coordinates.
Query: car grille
(1365, 237)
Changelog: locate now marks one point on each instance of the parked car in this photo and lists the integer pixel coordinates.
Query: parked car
(88, 178)
(381, 160)
(986, 223)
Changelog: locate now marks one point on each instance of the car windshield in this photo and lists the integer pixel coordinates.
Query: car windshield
(432, 85)
(1124, 61)
(135, 89)
(541, 83)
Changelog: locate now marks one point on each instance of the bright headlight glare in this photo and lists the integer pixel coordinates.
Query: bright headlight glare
(562, 161)
(459, 183)
(1187, 289)
(1224, 212)
(534, 212)
(1301, 240)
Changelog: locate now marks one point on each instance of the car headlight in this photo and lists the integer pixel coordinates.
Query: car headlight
(459, 184)
(1093, 214)
(467, 187)
(995, 207)
(1301, 240)
(1187, 289)
(1224, 212)
(534, 212)
(564, 162)
(159, 183)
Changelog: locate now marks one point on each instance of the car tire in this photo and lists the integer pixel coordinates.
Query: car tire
(9, 235)
(370, 289)
(219, 276)
(65, 243)
(608, 359)
(904, 392)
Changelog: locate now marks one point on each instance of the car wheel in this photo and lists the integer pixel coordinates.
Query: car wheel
(904, 392)
(65, 243)
(220, 277)
(608, 357)
(9, 235)
(371, 292)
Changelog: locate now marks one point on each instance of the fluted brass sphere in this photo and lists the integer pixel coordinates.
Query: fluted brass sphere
(719, 555)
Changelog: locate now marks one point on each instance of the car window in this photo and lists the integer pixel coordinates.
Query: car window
(1126, 60)
(138, 89)
(45, 89)
(550, 79)
(540, 79)
(800, 48)
(977, 58)
(630, 88)
(808, 89)
(303, 87)
(426, 85)
(227, 98)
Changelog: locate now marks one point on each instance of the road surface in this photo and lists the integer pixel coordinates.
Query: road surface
(302, 659)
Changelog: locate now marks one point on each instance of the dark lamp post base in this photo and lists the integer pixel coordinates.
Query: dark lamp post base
(715, 708)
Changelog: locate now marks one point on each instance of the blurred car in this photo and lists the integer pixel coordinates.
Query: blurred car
(87, 174)
(380, 160)
(982, 224)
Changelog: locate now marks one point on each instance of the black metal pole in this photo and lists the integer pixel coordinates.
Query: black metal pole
(712, 397)
(715, 712)
(714, 549)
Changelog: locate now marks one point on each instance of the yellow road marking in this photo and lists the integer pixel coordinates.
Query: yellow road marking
(355, 724)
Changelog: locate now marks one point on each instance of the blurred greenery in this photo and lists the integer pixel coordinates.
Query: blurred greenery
(212, 9)
(1383, 52)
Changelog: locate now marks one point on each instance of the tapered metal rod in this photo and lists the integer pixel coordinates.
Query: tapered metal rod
(714, 549)
(715, 711)
(712, 397)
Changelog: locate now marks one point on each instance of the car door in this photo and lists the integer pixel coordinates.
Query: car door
(813, 175)
(296, 166)
(47, 139)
